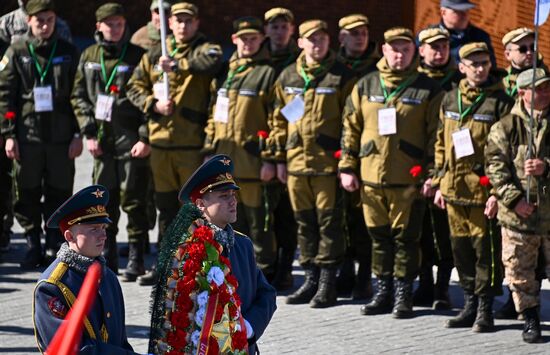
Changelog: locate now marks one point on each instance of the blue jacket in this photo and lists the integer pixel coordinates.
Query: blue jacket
(470, 34)
(104, 331)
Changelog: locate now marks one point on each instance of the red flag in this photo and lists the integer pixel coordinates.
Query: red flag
(68, 336)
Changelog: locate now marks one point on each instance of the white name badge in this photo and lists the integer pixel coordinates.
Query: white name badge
(160, 92)
(462, 141)
(221, 113)
(294, 110)
(104, 107)
(387, 121)
(43, 98)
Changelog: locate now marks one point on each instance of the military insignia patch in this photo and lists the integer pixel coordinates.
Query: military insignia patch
(58, 309)
(98, 193)
(4, 62)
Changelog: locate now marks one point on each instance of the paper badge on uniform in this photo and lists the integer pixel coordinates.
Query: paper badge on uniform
(43, 98)
(104, 107)
(4, 62)
(294, 110)
(160, 91)
(221, 112)
(57, 307)
(387, 121)
(462, 141)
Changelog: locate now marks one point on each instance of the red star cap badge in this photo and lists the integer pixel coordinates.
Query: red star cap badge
(98, 193)
(225, 161)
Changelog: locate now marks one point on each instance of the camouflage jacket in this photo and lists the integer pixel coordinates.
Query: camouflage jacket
(505, 153)
(14, 27)
(363, 65)
(447, 76)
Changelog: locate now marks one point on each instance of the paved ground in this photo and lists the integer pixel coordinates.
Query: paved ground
(293, 330)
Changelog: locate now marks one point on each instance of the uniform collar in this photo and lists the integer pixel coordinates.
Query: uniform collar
(77, 261)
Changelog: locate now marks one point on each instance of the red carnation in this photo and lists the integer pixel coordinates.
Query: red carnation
(204, 234)
(232, 311)
(225, 261)
(263, 134)
(176, 338)
(197, 251)
(10, 115)
(113, 89)
(415, 171)
(232, 280)
(219, 313)
(180, 320)
(338, 154)
(239, 340)
(484, 181)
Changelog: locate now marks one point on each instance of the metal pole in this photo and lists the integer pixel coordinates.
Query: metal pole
(162, 16)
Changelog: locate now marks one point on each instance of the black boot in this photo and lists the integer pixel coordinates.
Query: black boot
(403, 307)
(326, 295)
(442, 300)
(283, 279)
(484, 320)
(135, 265)
(150, 278)
(382, 300)
(362, 289)
(424, 294)
(346, 277)
(467, 316)
(508, 310)
(531, 329)
(111, 253)
(308, 289)
(33, 257)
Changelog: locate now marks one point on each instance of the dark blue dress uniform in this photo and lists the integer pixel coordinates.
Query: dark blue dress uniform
(104, 327)
(258, 297)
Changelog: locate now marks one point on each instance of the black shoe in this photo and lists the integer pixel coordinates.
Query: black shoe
(33, 256)
(508, 310)
(150, 278)
(531, 329)
(484, 322)
(283, 279)
(135, 265)
(382, 301)
(403, 307)
(346, 277)
(442, 301)
(326, 295)
(362, 288)
(466, 317)
(308, 289)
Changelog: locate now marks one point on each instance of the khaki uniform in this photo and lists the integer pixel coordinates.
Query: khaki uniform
(247, 89)
(475, 240)
(522, 239)
(383, 161)
(146, 37)
(511, 74)
(363, 65)
(308, 146)
(125, 177)
(176, 140)
(282, 59)
(44, 168)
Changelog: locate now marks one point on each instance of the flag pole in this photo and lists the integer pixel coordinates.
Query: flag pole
(162, 16)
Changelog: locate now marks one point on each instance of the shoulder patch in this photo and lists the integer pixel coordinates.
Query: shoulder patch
(411, 100)
(483, 118)
(246, 92)
(452, 115)
(290, 90)
(57, 308)
(25, 59)
(325, 91)
(376, 98)
(92, 66)
(61, 59)
(124, 68)
(4, 62)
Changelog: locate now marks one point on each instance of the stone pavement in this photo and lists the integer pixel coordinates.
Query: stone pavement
(293, 330)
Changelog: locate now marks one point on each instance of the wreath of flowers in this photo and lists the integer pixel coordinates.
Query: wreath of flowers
(200, 293)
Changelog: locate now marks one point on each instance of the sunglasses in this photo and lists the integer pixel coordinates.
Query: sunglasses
(525, 48)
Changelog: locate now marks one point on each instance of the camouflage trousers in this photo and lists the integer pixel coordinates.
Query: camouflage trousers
(519, 256)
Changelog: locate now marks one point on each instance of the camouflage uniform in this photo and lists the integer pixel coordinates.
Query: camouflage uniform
(521, 238)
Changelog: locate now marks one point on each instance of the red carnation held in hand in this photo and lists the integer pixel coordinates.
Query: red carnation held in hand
(416, 171)
(10, 115)
(484, 181)
(338, 154)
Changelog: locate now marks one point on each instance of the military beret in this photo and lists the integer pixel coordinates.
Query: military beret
(216, 174)
(35, 6)
(87, 206)
(309, 27)
(471, 48)
(107, 10)
(396, 33)
(525, 78)
(247, 24)
(155, 5)
(460, 5)
(185, 8)
(276, 12)
(430, 35)
(517, 34)
(351, 21)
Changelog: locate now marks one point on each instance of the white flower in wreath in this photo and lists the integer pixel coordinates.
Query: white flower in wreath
(202, 298)
(199, 316)
(195, 337)
(215, 274)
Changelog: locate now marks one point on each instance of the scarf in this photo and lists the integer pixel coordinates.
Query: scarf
(392, 78)
(316, 69)
(225, 236)
(77, 261)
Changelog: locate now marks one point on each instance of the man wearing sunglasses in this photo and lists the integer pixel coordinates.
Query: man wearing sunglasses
(519, 50)
(525, 221)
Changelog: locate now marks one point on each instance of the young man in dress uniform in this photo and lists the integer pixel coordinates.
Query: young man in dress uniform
(83, 220)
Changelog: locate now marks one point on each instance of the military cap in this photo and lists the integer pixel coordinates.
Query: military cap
(396, 33)
(107, 10)
(351, 21)
(525, 78)
(216, 174)
(247, 24)
(185, 8)
(460, 5)
(471, 48)
(35, 6)
(517, 34)
(155, 5)
(430, 35)
(276, 12)
(309, 27)
(87, 206)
